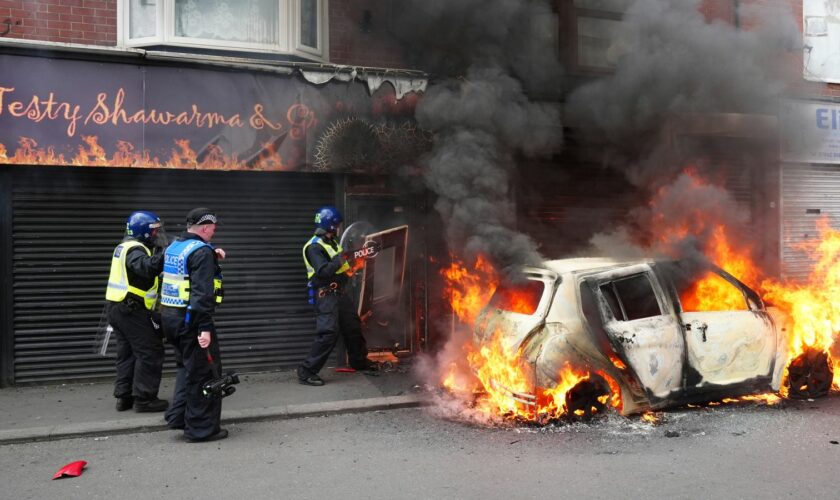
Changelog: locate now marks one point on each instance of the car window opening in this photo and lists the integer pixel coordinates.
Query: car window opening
(631, 298)
(521, 298)
(712, 292)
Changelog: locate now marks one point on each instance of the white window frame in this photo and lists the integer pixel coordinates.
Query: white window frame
(288, 41)
(322, 36)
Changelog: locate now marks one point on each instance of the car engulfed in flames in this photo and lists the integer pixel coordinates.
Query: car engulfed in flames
(628, 335)
(579, 336)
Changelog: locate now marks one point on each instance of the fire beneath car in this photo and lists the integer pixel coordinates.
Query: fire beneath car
(494, 379)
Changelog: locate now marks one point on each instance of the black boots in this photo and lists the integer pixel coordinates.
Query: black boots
(125, 403)
(223, 433)
(306, 378)
(153, 405)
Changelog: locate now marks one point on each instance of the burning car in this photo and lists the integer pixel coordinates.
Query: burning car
(590, 333)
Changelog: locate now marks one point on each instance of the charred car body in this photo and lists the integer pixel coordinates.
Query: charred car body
(636, 324)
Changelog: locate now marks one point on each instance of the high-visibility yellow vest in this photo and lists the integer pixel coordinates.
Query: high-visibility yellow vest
(118, 285)
(310, 271)
(176, 281)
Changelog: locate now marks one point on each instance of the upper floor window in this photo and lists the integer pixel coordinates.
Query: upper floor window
(295, 27)
(594, 27)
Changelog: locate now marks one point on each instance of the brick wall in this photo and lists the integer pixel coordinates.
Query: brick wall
(92, 22)
(355, 42)
(352, 40)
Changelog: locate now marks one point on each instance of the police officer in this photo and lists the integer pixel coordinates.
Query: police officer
(327, 271)
(192, 287)
(132, 295)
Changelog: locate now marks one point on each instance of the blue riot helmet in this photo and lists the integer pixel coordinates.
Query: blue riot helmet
(145, 227)
(328, 218)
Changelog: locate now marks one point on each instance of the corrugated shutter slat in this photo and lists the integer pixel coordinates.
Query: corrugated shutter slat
(67, 222)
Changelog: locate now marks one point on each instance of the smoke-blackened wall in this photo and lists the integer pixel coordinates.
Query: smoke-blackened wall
(676, 65)
(493, 64)
(675, 62)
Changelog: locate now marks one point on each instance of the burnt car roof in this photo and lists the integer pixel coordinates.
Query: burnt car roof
(563, 266)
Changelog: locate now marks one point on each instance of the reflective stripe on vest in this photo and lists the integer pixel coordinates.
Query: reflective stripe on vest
(118, 285)
(176, 281)
(310, 271)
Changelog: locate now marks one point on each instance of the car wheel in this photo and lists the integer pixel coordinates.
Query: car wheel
(588, 398)
(810, 375)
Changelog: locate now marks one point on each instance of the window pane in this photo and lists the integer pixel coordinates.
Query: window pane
(142, 16)
(522, 298)
(612, 301)
(638, 298)
(251, 21)
(596, 42)
(711, 293)
(384, 274)
(609, 5)
(309, 23)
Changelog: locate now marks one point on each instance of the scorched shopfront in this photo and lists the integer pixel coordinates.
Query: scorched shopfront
(86, 141)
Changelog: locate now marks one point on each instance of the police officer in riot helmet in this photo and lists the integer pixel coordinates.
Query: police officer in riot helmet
(132, 295)
(327, 270)
(192, 287)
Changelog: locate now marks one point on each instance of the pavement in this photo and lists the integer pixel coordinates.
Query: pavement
(43, 413)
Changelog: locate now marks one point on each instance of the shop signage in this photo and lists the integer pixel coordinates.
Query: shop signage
(68, 112)
(810, 131)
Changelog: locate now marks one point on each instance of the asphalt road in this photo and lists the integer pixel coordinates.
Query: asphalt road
(737, 451)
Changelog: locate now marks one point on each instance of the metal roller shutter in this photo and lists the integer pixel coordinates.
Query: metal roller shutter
(66, 223)
(809, 192)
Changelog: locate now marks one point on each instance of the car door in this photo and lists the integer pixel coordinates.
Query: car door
(642, 326)
(730, 337)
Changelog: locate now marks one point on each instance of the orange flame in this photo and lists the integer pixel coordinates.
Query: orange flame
(713, 293)
(469, 290)
(813, 306)
(506, 381)
(91, 153)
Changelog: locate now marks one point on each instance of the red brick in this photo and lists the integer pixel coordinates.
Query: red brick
(59, 25)
(74, 3)
(47, 16)
(58, 9)
(98, 4)
(82, 11)
(106, 20)
(70, 18)
(16, 4)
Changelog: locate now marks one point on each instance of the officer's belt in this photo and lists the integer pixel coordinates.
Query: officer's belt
(331, 289)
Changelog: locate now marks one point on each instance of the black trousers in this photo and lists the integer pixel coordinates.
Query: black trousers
(335, 315)
(139, 351)
(200, 416)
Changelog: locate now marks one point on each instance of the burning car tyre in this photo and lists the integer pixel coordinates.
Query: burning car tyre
(588, 398)
(810, 375)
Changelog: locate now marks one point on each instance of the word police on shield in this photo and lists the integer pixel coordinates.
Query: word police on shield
(368, 251)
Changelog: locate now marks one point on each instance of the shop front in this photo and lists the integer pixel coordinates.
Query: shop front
(86, 140)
